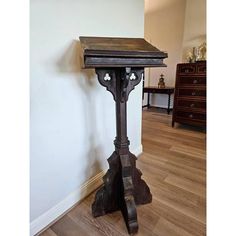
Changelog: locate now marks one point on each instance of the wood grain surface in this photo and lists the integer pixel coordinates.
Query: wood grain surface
(119, 52)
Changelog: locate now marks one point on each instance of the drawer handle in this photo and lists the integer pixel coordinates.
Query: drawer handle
(192, 105)
(195, 81)
(190, 116)
(193, 93)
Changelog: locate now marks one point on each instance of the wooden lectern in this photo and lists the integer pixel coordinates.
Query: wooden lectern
(119, 64)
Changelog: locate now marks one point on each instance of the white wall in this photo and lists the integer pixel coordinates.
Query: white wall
(164, 28)
(72, 116)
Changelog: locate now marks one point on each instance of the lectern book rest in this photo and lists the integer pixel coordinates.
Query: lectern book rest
(119, 64)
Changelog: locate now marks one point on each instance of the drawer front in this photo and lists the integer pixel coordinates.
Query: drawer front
(192, 92)
(191, 104)
(201, 68)
(192, 80)
(191, 115)
(187, 69)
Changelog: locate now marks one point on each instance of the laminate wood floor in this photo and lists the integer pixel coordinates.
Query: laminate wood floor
(174, 166)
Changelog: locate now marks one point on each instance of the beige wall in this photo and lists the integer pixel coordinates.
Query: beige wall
(164, 28)
(195, 25)
(174, 26)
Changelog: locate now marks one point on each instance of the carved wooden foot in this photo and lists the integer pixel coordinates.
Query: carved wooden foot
(107, 197)
(123, 188)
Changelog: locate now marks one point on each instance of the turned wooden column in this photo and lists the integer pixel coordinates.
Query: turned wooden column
(119, 65)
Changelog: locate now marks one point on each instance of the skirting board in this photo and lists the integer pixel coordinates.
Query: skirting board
(161, 106)
(49, 217)
(160, 102)
(154, 106)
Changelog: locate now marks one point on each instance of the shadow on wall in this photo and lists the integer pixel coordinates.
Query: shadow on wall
(71, 62)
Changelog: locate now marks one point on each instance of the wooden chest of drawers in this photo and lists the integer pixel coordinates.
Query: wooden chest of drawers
(190, 94)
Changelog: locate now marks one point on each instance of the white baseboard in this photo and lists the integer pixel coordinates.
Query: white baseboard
(62, 207)
(160, 106)
(138, 151)
(49, 217)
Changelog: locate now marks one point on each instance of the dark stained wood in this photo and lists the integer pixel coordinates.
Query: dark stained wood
(123, 187)
(190, 94)
(120, 52)
(119, 64)
(153, 89)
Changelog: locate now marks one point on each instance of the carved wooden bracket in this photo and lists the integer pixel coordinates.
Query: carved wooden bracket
(119, 81)
(107, 78)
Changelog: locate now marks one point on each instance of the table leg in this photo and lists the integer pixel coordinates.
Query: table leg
(168, 109)
(173, 123)
(143, 87)
(148, 105)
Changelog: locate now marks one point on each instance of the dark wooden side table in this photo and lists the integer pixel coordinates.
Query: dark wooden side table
(153, 89)
(119, 64)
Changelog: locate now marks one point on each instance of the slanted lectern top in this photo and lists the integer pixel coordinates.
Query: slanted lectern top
(119, 64)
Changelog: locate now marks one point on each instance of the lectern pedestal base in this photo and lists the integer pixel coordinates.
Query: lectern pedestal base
(123, 189)
(119, 64)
